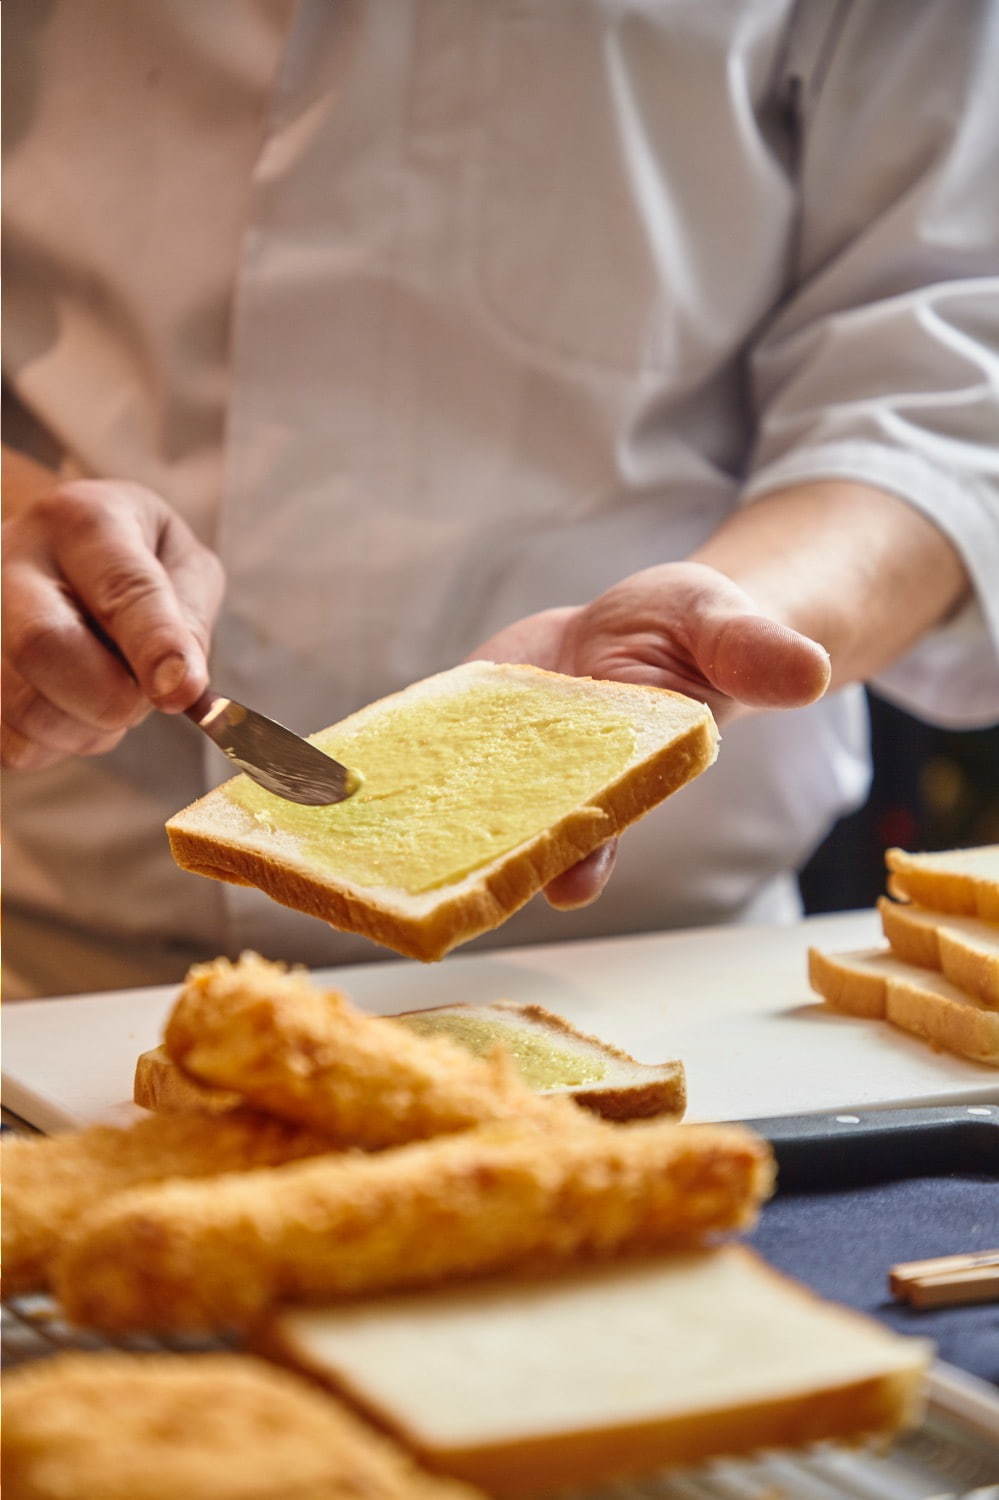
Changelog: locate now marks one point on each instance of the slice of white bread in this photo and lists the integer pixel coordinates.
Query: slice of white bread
(551, 1056)
(160, 1085)
(550, 740)
(856, 982)
(522, 1385)
(873, 982)
(964, 949)
(962, 882)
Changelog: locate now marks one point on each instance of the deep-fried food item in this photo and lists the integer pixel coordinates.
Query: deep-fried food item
(49, 1182)
(205, 1427)
(217, 1254)
(308, 1055)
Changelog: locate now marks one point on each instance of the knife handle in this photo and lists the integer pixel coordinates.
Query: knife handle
(855, 1147)
(205, 707)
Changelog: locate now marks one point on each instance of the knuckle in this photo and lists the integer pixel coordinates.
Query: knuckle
(68, 510)
(75, 507)
(122, 587)
(213, 563)
(117, 708)
(35, 645)
(29, 716)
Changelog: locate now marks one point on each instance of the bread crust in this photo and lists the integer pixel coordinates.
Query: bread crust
(929, 881)
(852, 990)
(924, 1005)
(161, 1086)
(967, 1029)
(855, 1410)
(971, 970)
(502, 888)
(935, 945)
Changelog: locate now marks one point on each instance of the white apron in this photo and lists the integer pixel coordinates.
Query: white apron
(499, 268)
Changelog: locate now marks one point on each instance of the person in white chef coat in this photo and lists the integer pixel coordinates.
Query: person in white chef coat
(647, 340)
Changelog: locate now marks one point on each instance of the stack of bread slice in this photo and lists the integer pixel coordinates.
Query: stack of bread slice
(938, 977)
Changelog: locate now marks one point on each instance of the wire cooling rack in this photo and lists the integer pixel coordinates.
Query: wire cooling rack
(954, 1455)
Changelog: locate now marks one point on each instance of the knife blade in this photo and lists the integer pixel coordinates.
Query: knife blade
(271, 755)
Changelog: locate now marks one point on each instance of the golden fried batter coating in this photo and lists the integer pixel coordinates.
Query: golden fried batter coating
(48, 1182)
(217, 1254)
(308, 1055)
(201, 1427)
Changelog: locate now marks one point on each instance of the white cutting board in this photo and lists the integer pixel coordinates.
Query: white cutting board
(733, 1003)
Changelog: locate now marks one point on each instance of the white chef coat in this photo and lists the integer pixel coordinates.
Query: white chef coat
(430, 314)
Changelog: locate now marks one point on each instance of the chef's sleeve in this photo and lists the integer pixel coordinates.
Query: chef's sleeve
(882, 364)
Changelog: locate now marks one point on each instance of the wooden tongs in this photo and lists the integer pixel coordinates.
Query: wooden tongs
(948, 1280)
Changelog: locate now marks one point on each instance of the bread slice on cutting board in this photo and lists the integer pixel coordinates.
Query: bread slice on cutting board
(523, 1385)
(160, 1085)
(964, 949)
(553, 1057)
(961, 882)
(874, 982)
(550, 1054)
(478, 787)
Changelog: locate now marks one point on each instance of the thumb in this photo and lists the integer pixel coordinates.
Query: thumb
(755, 660)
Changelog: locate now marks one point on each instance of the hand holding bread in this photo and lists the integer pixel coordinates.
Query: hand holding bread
(680, 626)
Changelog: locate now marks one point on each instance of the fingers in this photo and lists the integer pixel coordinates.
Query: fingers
(757, 661)
(109, 601)
(109, 556)
(583, 883)
(37, 734)
(196, 575)
(687, 627)
(62, 692)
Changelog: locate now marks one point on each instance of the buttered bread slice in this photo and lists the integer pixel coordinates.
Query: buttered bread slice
(550, 1055)
(478, 787)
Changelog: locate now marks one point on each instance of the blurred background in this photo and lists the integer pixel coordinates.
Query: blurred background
(932, 789)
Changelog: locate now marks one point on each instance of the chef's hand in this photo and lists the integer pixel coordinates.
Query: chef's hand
(113, 555)
(682, 626)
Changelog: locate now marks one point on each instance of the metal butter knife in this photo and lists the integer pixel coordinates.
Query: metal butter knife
(274, 757)
(271, 755)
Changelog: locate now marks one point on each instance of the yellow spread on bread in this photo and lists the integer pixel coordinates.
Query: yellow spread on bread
(450, 784)
(541, 1063)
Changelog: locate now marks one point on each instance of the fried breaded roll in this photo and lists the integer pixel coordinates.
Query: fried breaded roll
(199, 1256)
(49, 1181)
(308, 1055)
(201, 1426)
